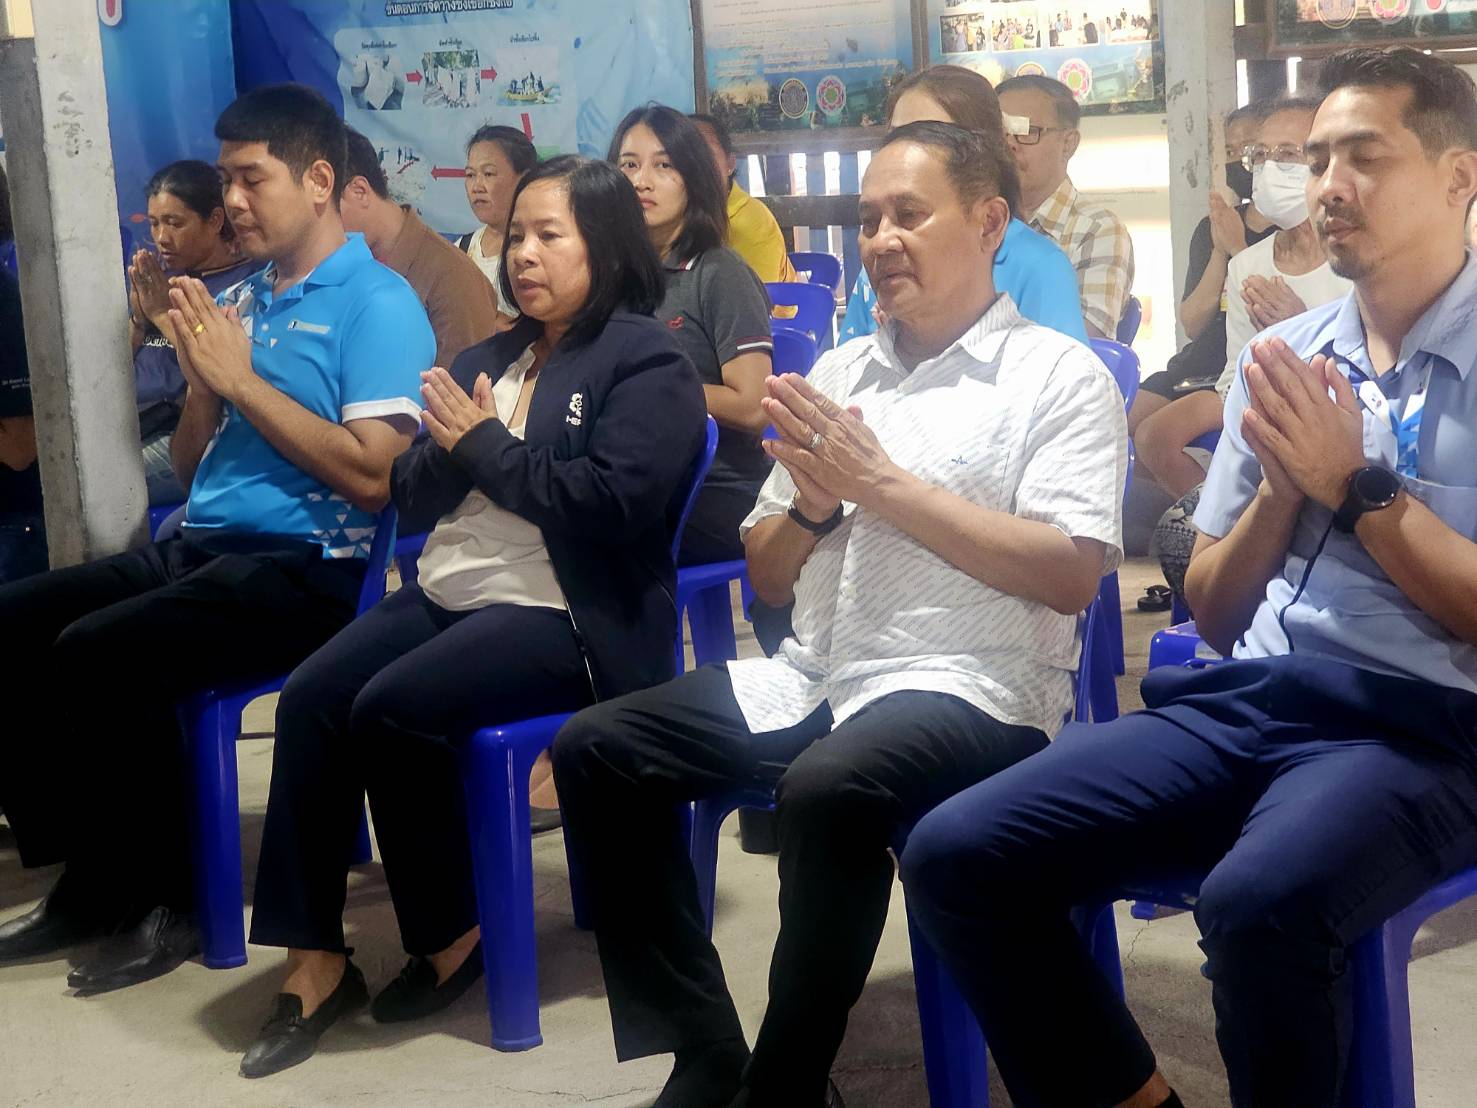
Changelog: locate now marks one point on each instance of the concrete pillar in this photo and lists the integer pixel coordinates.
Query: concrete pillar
(1200, 86)
(66, 232)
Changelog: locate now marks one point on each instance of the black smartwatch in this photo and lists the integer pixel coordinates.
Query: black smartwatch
(824, 527)
(1370, 489)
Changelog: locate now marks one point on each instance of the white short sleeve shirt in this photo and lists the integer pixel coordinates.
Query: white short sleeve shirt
(1013, 417)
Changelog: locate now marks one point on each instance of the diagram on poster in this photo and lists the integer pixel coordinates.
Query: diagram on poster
(418, 94)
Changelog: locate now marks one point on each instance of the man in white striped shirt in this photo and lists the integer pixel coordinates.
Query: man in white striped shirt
(947, 498)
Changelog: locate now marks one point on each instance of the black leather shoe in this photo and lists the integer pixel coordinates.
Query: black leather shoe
(288, 1038)
(415, 994)
(544, 819)
(157, 944)
(50, 926)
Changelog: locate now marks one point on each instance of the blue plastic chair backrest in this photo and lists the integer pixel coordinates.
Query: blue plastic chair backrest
(1123, 364)
(1128, 326)
(794, 351)
(373, 589)
(817, 267)
(815, 308)
(700, 466)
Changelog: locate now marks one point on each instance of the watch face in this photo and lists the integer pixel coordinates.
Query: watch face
(1376, 486)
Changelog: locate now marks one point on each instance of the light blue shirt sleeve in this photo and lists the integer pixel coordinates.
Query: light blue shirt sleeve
(1235, 474)
(859, 320)
(1039, 277)
(387, 346)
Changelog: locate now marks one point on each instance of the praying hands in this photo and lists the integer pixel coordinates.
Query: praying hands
(828, 451)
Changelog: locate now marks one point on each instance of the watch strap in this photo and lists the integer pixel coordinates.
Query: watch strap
(824, 527)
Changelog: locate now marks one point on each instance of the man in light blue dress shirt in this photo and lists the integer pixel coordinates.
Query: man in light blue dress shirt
(1326, 776)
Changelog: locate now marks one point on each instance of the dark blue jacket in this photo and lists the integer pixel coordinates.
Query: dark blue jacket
(613, 431)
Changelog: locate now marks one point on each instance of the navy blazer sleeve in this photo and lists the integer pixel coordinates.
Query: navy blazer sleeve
(640, 448)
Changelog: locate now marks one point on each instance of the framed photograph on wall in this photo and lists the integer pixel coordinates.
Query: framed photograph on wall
(806, 72)
(1108, 52)
(1313, 27)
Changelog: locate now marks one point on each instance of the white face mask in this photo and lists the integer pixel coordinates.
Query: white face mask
(1280, 192)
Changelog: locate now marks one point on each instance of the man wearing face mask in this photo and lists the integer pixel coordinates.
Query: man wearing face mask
(1218, 238)
(1273, 280)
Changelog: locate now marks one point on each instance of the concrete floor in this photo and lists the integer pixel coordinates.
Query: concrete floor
(177, 1040)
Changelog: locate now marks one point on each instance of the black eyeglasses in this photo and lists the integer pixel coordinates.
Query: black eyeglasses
(1033, 134)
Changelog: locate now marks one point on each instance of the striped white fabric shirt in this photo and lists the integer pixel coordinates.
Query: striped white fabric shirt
(1012, 417)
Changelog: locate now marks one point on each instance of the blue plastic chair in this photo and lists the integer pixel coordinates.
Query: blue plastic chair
(1380, 1068)
(1128, 325)
(212, 723)
(165, 519)
(817, 267)
(815, 309)
(496, 763)
(1123, 364)
(953, 1045)
(794, 350)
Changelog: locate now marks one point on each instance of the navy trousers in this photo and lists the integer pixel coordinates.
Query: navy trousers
(1319, 798)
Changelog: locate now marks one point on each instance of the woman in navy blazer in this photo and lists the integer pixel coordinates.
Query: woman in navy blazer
(551, 477)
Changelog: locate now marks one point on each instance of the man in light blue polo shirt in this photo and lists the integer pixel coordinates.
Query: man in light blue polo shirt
(1326, 776)
(302, 390)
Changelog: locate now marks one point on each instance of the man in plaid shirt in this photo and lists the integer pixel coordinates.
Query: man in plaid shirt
(1094, 238)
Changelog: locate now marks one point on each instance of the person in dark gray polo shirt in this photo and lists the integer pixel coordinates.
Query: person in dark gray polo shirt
(716, 308)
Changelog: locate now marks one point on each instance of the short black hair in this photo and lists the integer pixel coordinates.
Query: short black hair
(705, 223)
(1068, 111)
(979, 165)
(298, 125)
(1308, 105)
(1443, 100)
(719, 128)
(197, 185)
(625, 273)
(514, 144)
(364, 161)
(1256, 111)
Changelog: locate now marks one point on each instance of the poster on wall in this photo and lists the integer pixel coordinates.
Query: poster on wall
(1106, 51)
(777, 66)
(418, 77)
(1310, 24)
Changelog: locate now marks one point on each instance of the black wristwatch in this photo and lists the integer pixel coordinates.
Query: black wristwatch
(1370, 489)
(824, 527)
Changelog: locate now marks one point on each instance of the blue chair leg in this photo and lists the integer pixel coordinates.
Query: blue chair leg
(1113, 616)
(579, 894)
(710, 612)
(953, 1046)
(363, 849)
(1102, 690)
(1381, 1067)
(707, 819)
(496, 780)
(1097, 928)
(213, 727)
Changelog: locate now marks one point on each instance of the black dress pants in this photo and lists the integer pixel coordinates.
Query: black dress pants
(622, 768)
(378, 709)
(97, 656)
(712, 530)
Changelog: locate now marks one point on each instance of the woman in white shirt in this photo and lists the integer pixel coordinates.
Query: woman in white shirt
(555, 466)
(497, 159)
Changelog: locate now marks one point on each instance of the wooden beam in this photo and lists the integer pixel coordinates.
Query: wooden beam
(814, 211)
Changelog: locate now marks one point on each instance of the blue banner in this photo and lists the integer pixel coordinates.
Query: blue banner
(419, 76)
(169, 74)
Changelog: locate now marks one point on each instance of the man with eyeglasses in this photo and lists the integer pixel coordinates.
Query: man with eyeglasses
(1268, 282)
(1094, 238)
(1324, 778)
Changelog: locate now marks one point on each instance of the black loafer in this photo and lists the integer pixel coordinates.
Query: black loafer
(544, 819)
(50, 926)
(414, 994)
(288, 1038)
(159, 943)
